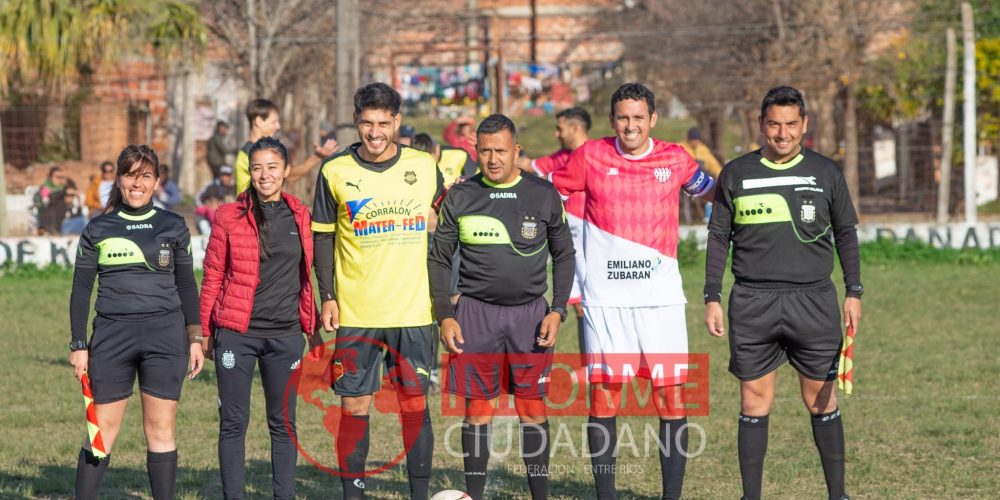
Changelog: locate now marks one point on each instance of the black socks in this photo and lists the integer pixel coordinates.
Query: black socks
(352, 453)
(89, 474)
(418, 441)
(602, 439)
(673, 456)
(535, 448)
(162, 470)
(828, 432)
(476, 447)
(752, 446)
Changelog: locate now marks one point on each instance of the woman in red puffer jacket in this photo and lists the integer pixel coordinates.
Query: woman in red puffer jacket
(256, 305)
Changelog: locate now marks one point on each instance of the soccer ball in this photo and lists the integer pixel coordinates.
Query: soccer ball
(450, 495)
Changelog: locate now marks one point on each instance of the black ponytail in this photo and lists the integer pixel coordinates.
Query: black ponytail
(263, 226)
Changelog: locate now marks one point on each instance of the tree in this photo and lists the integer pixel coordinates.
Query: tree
(46, 44)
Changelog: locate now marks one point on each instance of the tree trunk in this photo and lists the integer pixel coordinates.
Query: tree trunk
(851, 144)
(3, 188)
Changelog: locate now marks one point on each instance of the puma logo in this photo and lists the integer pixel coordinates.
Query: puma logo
(355, 186)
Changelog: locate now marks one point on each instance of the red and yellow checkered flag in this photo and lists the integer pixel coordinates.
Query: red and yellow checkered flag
(845, 370)
(96, 443)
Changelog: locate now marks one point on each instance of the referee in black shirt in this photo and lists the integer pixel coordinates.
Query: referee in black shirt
(501, 329)
(783, 208)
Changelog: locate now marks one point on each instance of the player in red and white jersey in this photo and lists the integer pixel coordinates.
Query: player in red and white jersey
(572, 127)
(632, 296)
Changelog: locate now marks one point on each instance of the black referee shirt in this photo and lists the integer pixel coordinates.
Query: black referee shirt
(781, 220)
(502, 232)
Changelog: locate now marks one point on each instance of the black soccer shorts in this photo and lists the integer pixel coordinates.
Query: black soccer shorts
(154, 348)
(407, 353)
(769, 325)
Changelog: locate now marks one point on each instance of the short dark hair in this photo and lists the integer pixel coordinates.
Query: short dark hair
(260, 108)
(783, 96)
(422, 142)
(221, 123)
(107, 166)
(377, 96)
(579, 114)
(496, 123)
(636, 92)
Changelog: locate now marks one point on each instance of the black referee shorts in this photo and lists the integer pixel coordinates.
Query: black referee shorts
(768, 326)
(155, 348)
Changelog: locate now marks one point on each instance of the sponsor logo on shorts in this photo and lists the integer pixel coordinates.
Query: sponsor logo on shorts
(228, 360)
(295, 364)
(338, 370)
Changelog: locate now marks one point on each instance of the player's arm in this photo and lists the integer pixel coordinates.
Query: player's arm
(716, 257)
(84, 273)
(187, 290)
(324, 226)
(700, 184)
(320, 152)
(439, 259)
(563, 253)
(572, 178)
(844, 220)
(439, 263)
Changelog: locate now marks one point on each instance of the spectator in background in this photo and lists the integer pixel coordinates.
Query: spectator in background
(204, 214)
(99, 189)
(461, 133)
(168, 195)
(73, 218)
(706, 160)
(221, 185)
(327, 132)
(217, 148)
(406, 133)
(50, 191)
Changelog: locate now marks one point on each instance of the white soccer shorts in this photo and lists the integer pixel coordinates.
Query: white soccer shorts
(627, 342)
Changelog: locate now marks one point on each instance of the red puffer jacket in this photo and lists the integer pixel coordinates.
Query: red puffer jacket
(232, 268)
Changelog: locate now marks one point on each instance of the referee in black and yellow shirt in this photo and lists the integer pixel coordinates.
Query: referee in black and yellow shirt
(503, 222)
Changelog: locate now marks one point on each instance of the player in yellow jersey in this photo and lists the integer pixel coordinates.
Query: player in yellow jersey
(265, 121)
(374, 199)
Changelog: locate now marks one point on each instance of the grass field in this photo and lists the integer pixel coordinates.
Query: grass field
(924, 421)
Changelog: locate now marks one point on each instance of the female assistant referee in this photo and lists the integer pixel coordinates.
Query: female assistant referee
(146, 321)
(256, 302)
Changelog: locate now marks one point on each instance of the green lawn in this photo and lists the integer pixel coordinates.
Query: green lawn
(924, 421)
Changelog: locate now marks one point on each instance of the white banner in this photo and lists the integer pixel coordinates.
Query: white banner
(61, 251)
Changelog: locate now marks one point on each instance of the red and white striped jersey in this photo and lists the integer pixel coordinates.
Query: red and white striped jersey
(630, 220)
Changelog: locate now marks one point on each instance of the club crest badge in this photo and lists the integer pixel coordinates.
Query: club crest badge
(228, 360)
(661, 174)
(164, 257)
(410, 177)
(338, 370)
(529, 228)
(808, 211)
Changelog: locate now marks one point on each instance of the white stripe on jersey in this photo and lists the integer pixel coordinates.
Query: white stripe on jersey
(789, 180)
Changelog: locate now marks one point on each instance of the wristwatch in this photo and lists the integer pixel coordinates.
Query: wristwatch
(78, 345)
(858, 290)
(560, 310)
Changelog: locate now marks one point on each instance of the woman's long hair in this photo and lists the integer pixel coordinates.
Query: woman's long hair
(128, 158)
(263, 226)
